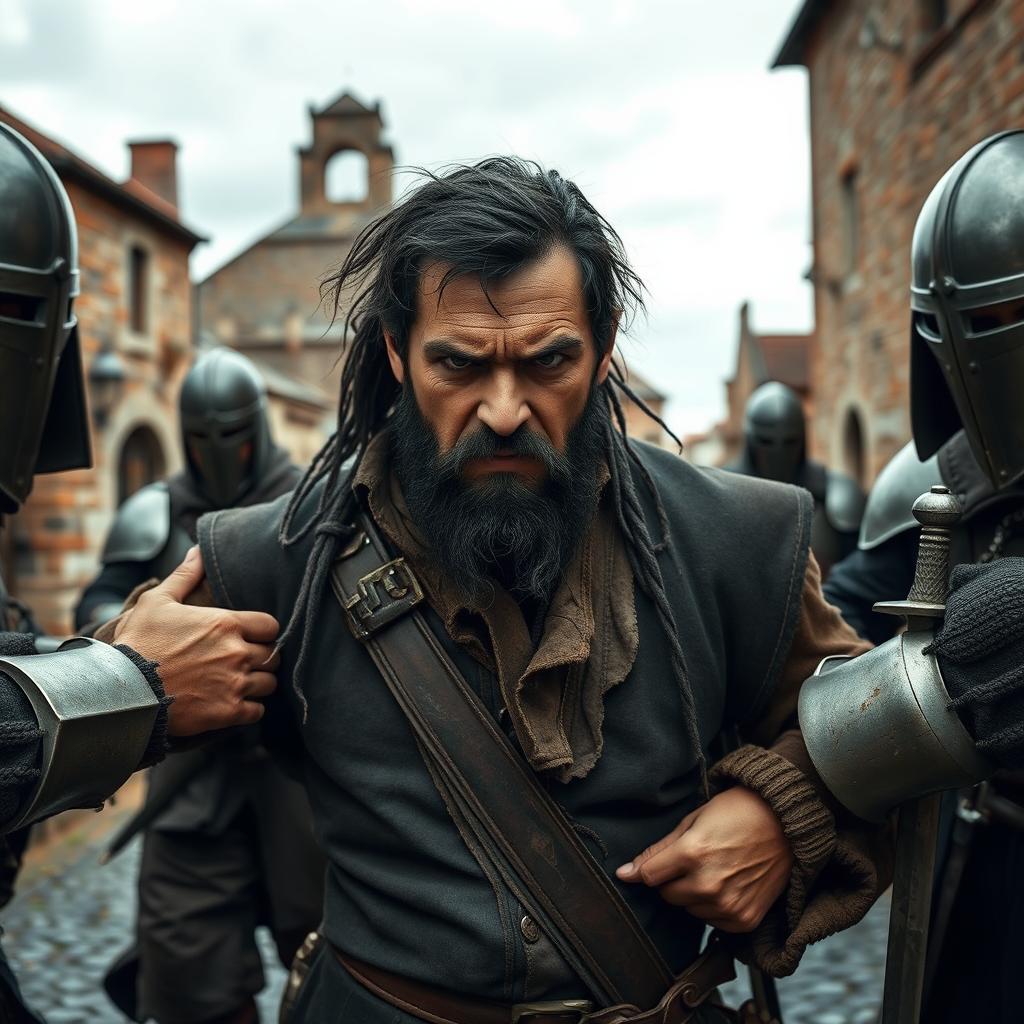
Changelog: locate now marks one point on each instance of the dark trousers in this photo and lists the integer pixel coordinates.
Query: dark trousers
(201, 897)
(982, 961)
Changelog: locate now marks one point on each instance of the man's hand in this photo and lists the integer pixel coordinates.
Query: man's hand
(216, 664)
(727, 862)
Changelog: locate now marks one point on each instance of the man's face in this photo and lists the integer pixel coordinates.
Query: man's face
(525, 357)
(500, 427)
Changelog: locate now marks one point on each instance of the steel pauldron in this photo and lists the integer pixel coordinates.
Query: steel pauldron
(879, 729)
(96, 711)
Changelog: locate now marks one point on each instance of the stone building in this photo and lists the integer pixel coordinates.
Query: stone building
(265, 301)
(759, 358)
(135, 316)
(899, 89)
(638, 424)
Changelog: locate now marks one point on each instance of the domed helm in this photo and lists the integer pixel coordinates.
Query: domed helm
(43, 422)
(224, 426)
(775, 429)
(967, 301)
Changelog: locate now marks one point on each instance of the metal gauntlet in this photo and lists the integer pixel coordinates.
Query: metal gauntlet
(879, 729)
(97, 713)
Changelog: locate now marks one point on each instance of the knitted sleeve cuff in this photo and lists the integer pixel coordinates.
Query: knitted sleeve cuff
(806, 822)
(158, 741)
(809, 826)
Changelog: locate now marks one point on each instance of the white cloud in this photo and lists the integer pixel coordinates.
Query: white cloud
(664, 112)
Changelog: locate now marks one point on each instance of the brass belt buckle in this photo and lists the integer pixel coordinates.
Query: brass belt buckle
(570, 1010)
(382, 596)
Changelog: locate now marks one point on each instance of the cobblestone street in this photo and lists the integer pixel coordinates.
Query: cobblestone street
(839, 980)
(72, 916)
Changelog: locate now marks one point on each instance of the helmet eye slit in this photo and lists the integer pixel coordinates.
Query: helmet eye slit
(986, 319)
(26, 308)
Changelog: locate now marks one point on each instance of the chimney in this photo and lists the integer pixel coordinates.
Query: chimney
(155, 165)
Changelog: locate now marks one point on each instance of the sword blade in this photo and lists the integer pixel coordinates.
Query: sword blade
(916, 836)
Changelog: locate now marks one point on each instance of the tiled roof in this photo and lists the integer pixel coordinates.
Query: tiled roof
(791, 52)
(646, 391)
(346, 105)
(132, 195)
(785, 358)
(288, 387)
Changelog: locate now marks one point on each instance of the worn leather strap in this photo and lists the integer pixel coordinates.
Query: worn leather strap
(488, 783)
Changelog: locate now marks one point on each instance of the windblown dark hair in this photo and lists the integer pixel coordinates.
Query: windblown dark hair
(486, 219)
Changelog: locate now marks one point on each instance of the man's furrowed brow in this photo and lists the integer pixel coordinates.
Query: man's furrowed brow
(563, 343)
(438, 348)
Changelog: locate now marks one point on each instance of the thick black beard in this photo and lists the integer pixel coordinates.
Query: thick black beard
(499, 529)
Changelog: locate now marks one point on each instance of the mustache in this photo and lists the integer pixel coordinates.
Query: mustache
(484, 443)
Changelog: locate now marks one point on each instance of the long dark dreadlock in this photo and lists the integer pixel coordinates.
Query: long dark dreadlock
(487, 219)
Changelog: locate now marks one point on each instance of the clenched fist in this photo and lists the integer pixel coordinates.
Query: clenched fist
(216, 664)
(727, 862)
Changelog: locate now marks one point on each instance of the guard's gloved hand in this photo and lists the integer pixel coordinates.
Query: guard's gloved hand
(980, 650)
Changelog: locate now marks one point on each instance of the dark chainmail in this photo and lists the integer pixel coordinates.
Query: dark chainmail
(980, 649)
(1005, 530)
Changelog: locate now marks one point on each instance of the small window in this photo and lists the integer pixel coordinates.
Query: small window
(854, 455)
(138, 289)
(934, 14)
(141, 462)
(851, 222)
(347, 177)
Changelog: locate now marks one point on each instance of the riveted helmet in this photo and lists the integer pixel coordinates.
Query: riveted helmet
(43, 422)
(967, 301)
(774, 431)
(224, 426)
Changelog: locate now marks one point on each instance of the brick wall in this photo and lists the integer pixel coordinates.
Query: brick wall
(56, 539)
(893, 103)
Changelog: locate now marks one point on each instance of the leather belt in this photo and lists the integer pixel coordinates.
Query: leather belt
(712, 968)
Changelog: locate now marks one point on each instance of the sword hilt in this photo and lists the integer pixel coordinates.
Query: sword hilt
(938, 511)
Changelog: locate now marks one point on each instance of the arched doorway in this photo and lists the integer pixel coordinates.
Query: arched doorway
(854, 455)
(141, 462)
(347, 177)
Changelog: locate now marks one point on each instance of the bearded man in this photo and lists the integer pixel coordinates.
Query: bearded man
(601, 611)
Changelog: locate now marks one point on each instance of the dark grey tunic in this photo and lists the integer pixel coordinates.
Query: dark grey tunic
(404, 892)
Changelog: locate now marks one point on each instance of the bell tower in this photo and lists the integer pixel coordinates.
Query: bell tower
(345, 126)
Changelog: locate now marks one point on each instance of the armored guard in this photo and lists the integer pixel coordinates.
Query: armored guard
(230, 460)
(76, 723)
(215, 860)
(775, 448)
(967, 373)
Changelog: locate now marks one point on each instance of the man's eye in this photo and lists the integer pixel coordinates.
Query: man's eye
(551, 360)
(456, 362)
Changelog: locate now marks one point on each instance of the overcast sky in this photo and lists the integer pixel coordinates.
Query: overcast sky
(664, 113)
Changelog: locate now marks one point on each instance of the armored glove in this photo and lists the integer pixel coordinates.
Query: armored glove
(980, 649)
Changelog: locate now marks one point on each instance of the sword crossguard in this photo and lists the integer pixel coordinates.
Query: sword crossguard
(938, 511)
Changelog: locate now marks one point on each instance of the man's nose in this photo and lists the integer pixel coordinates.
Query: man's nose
(503, 408)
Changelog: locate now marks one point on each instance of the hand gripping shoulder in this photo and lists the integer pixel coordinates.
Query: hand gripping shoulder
(141, 527)
(879, 729)
(888, 513)
(96, 711)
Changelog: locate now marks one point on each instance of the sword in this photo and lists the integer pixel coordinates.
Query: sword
(938, 512)
(178, 773)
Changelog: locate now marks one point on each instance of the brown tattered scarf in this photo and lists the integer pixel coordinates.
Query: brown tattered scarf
(554, 691)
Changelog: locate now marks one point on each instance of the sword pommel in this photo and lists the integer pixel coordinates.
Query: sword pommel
(938, 511)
